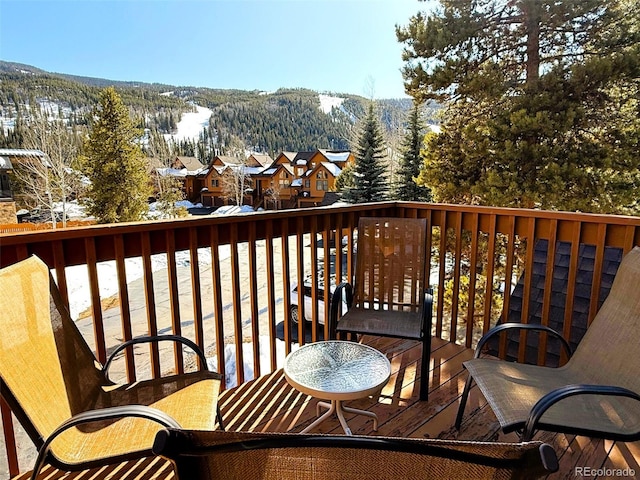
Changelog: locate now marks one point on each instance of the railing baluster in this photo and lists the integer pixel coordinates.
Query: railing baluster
(216, 287)
(237, 303)
(508, 277)
(253, 293)
(61, 274)
(9, 438)
(528, 275)
(473, 272)
(286, 285)
(314, 284)
(194, 264)
(428, 240)
(456, 278)
(327, 269)
(571, 284)
(271, 300)
(174, 298)
(96, 307)
(491, 263)
(338, 243)
(150, 302)
(125, 313)
(548, 284)
(629, 238)
(441, 278)
(597, 272)
(301, 277)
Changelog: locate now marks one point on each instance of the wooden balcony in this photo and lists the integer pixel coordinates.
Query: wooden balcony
(235, 290)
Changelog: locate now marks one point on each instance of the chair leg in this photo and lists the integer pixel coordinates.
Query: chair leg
(424, 368)
(219, 417)
(463, 401)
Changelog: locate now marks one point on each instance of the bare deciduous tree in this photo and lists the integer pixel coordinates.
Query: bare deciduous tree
(49, 179)
(236, 182)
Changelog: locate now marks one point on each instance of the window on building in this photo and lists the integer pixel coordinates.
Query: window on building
(307, 183)
(322, 185)
(284, 180)
(214, 182)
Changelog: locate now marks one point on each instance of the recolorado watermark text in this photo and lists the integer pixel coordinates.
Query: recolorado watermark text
(604, 472)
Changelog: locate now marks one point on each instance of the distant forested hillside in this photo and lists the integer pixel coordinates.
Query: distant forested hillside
(288, 119)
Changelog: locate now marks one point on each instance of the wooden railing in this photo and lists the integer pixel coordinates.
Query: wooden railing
(229, 280)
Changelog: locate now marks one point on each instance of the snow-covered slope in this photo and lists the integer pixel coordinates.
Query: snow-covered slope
(191, 124)
(327, 102)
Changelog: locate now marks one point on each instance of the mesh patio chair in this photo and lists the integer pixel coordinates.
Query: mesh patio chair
(594, 394)
(389, 296)
(59, 391)
(283, 456)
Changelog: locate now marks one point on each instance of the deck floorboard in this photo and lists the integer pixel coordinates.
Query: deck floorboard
(269, 403)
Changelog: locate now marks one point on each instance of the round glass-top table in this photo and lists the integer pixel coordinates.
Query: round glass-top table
(337, 370)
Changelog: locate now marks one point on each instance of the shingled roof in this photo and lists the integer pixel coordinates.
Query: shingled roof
(559, 288)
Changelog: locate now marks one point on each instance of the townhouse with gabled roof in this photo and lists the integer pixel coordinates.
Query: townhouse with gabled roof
(293, 179)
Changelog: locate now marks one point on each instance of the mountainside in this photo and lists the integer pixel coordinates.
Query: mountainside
(288, 119)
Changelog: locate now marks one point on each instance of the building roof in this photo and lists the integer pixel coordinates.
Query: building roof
(288, 168)
(334, 169)
(330, 198)
(228, 160)
(289, 155)
(336, 155)
(302, 157)
(5, 163)
(21, 152)
(559, 289)
(153, 163)
(263, 159)
(6, 154)
(172, 172)
(190, 163)
(253, 170)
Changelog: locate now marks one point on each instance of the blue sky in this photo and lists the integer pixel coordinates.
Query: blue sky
(342, 46)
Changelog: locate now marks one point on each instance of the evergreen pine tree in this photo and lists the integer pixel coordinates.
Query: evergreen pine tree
(115, 164)
(539, 95)
(411, 161)
(369, 179)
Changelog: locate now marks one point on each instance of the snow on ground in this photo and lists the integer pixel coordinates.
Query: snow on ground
(73, 209)
(191, 124)
(233, 209)
(80, 299)
(78, 276)
(231, 379)
(327, 102)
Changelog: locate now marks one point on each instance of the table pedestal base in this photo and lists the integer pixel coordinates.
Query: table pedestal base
(338, 408)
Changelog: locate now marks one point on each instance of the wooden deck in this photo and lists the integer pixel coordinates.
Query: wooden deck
(270, 404)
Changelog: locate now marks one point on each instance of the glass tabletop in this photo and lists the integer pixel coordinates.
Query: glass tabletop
(337, 368)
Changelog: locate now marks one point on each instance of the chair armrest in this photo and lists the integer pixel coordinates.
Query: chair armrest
(140, 411)
(559, 394)
(521, 326)
(427, 311)
(336, 305)
(156, 338)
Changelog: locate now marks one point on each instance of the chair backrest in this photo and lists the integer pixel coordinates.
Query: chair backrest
(391, 264)
(283, 456)
(606, 354)
(47, 371)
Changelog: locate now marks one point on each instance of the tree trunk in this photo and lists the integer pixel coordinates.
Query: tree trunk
(531, 11)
